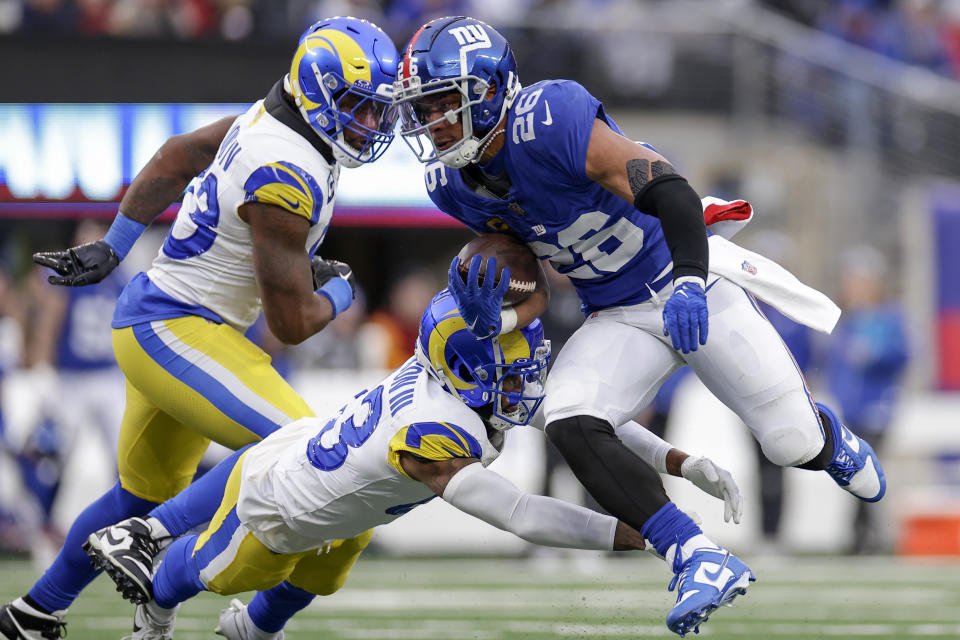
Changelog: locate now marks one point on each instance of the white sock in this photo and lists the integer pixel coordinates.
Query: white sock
(22, 605)
(699, 541)
(253, 632)
(157, 530)
(160, 615)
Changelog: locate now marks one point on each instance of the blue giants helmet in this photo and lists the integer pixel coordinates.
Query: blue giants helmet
(508, 369)
(341, 75)
(465, 57)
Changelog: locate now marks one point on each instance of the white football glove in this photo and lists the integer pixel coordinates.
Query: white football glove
(716, 481)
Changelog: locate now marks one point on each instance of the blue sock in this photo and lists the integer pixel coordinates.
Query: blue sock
(178, 578)
(667, 526)
(271, 609)
(71, 571)
(197, 503)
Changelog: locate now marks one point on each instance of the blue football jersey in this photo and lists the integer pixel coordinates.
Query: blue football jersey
(609, 249)
(86, 341)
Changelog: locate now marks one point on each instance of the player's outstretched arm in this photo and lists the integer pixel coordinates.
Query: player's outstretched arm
(489, 496)
(646, 179)
(156, 187)
(701, 471)
(284, 275)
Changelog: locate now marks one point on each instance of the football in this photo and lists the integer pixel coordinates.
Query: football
(509, 252)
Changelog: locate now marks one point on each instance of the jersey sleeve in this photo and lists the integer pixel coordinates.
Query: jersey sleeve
(433, 441)
(288, 186)
(561, 120)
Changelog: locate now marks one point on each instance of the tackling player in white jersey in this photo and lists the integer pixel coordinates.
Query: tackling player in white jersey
(243, 240)
(295, 504)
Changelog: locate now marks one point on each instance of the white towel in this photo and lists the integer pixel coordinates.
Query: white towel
(773, 284)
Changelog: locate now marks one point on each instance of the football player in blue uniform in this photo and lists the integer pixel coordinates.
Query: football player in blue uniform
(244, 240)
(548, 165)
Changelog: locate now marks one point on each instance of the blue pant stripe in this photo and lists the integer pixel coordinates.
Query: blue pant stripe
(202, 382)
(218, 542)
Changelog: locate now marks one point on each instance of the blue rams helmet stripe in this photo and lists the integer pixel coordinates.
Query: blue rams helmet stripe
(341, 77)
(287, 186)
(505, 373)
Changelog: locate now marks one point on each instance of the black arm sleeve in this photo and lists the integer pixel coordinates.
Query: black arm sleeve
(671, 199)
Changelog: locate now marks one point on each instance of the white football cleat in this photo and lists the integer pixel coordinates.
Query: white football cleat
(20, 621)
(126, 551)
(235, 624)
(706, 579)
(152, 622)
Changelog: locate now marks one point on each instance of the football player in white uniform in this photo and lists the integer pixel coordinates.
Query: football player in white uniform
(295, 504)
(243, 240)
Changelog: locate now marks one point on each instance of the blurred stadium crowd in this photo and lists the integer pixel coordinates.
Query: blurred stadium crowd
(920, 32)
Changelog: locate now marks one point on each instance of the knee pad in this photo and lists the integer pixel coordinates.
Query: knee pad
(790, 446)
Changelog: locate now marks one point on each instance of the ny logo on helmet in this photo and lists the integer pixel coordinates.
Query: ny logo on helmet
(471, 34)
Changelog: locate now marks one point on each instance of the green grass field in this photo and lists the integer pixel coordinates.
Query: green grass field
(585, 597)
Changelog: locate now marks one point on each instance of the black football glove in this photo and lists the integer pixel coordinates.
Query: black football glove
(78, 266)
(326, 270)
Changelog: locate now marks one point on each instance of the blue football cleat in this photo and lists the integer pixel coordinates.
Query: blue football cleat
(710, 577)
(855, 466)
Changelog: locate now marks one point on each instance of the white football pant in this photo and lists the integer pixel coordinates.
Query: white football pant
(613, 365)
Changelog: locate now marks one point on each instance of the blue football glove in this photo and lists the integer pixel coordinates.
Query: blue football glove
(685, 316)
(479, 304)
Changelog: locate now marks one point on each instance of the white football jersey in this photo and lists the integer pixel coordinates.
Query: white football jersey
(207, 257)
(318, 480)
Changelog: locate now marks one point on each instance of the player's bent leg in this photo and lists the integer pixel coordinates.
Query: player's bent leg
(191, 381)
(325, 572)
(746, 365)
(71, 571)
(226, 559)
(322, 572)
(128, 549)
(210, 377)
(854, 465)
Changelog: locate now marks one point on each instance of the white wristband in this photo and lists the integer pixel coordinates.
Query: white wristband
(508, 320)
(694, 279)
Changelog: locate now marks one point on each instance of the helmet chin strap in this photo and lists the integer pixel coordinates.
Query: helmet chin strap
(336, 144)
(472, 148)
(519, 416)
(461, 156)
(344, 158)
